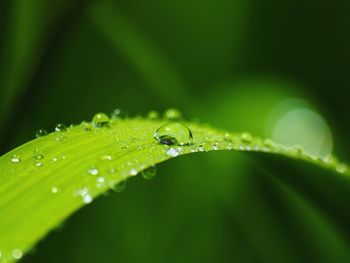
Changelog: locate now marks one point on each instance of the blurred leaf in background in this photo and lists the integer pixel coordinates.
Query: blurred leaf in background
(228, 63)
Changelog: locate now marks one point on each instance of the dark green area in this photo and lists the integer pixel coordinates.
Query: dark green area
(224, 62)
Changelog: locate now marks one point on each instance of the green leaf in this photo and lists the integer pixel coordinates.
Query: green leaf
(47, 179)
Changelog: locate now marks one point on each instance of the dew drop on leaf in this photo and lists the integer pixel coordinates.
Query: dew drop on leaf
(149, 173)
(246, 137)
(17, 253)
(174, 133)
(15, 159)
(93, 171)
(153, 115)
(38, 156)
(117, 114)
(100, 182)
(173, 152)
(60, 127)
(54, 190)
(40, 133)
(85, 195)
(172, 114)
(119, 187)
(38, 164)
(341, 168)
(100, 120)
(133, 172)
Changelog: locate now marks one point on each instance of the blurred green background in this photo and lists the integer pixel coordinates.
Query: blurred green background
(226, 62)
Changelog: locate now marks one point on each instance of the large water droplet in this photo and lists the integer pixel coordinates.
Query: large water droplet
(172, 114)
(17, 253)
(149, 173)
(100, 120)
(41, 133)
(174, 133)
(60, 127)
(15, 159)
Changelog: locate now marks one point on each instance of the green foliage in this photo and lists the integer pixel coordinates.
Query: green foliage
(58, 173)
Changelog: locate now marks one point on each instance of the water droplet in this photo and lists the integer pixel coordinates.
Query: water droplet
(100, 182)
(38, 164)
(38, 156)
(85, 195)
(93, 171)
(112, 170)
(149, 173)
(17, 253)
(86, 126)
(172, 114)
(100, 120)
(106, 157)
(215, 146)
(15, 159)
(119, 187)
(173, 152)
(341, 167)
(117, 114)
(246, 137)
(60, 138)
(153, 115)
(54, 159)
(133, 172)
(41, 133)
(174, 133)
(60, 127)
(54, 190)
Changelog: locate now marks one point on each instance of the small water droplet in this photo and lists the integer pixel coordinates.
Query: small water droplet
(93, 171)
(85, 195)
(149, 173)
(173, 152)
(153, 115)
(15, 159)
(215, 146)
(117, 114)
(341, 167)
(86, 126)
(119, 187)
(54, 159)
(41, 133)
(133, 172)
(100, 182)
(100, 120)
(172, 114)
(17, 253)
(60, 127)
(246, 137)
(60, 138)
(54, 190)
(107, 157)
(38, 156)
(38, 164)
(174, 133)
